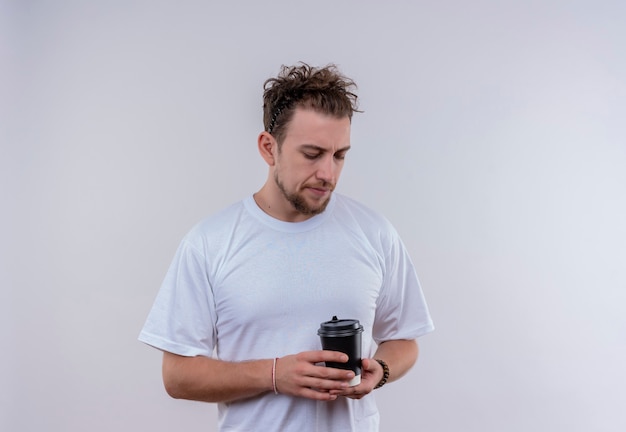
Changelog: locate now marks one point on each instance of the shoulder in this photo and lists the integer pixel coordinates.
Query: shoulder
(364, 221)
(216, 227)
(362, 214)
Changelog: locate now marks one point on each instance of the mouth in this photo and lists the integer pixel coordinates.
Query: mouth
(319, 191)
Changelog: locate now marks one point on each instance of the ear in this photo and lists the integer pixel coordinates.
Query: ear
(268, 147)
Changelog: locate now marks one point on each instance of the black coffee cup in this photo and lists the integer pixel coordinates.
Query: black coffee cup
(343, 335)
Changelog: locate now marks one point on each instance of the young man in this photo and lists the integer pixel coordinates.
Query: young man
(238, 312)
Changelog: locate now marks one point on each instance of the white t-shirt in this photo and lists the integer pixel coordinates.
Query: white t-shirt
(252, 287)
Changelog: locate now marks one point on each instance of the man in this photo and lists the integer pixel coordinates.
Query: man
(238, 312)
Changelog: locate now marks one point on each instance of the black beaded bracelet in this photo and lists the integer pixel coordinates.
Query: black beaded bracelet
(385, 377)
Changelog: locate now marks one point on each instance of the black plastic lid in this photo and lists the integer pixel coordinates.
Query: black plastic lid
(340, 327)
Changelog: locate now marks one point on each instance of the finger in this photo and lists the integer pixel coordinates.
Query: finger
(323, 356)
(369, 364)
(355, 392)
(333, 373)
(328, 379)
(304, 369)
(358, 390)
(365, 364)
(335, 356)
(315, 394)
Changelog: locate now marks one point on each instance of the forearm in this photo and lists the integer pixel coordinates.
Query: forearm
(400, 356)
(210, 380)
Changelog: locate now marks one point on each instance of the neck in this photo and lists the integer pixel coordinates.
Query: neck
(276, 208)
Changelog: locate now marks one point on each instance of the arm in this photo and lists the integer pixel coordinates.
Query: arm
(210, 380)
(400, 356)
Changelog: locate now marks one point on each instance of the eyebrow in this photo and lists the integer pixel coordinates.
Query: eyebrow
(321, 149)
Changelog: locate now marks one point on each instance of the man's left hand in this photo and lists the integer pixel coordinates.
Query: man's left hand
(371, 374)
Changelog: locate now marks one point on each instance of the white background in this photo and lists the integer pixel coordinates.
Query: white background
(493, 138)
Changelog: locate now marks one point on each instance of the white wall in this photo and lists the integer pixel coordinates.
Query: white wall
(493, 138)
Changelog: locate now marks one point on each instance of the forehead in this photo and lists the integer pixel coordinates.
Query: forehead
(308, 126)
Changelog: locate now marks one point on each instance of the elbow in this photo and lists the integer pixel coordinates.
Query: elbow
(172, 387)
(185, 378)
(414, 352)
(172, 378)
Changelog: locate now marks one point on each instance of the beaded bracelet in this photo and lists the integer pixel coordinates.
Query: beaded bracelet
(385, 377)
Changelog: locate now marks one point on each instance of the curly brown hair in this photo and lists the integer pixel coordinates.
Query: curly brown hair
(322, 89)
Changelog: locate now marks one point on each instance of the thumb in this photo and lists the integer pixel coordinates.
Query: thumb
(366, 364)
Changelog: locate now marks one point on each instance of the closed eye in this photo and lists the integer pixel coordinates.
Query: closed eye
(312, 156)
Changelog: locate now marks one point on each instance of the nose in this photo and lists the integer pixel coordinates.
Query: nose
(328, 169)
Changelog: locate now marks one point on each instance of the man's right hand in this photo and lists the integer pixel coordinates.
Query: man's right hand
(211, 380)
(304, 375)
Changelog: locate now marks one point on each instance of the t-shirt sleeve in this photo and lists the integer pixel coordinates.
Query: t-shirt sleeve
(401, 312)
(182, 319)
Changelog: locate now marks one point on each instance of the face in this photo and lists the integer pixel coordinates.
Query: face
(309, 162)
